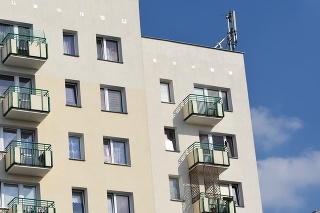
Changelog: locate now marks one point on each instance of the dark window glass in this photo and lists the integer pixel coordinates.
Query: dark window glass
(71, 94)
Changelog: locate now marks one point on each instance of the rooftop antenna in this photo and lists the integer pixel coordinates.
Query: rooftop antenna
(232, 37)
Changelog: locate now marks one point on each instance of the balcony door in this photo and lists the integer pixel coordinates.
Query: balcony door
(25, 93)
(28, 151)
(23, 44)
(206, 146)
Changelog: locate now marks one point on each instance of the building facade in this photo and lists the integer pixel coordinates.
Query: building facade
(96, 118)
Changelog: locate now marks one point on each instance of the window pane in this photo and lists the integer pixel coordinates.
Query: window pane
(74, 147)
(102, 98)
(71, 94)
(170, 140)
(198, 91)
(235, 194)
(25, 82)
(5, 82)
(10, 191)
(165, 92)
(110, 204)
(225, 100)
(123, 204)
(69, 44)
(8, 136)
(203, 138)
(213, 93)
(106, 149)
(119, 153)
(112, 50)
(27, 136)
(77, 202)
(29, 192)
(115, 102)
(218, 140)
(224, 188)
(100, 49)
(4, 30)
(174, 188)
(230, 146)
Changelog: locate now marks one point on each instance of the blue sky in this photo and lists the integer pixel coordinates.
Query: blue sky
(280, 41)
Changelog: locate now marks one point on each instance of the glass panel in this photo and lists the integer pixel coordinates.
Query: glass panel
(224, 188)
(115, 102)
(74, 147)
(165, 92)
(71, 94)
(198, 91)
(230, 146)
(27, 136)
(213, 93)
(110, 204)
(174, 188)
(77, 202)
(102, 98)
(25, 82)
(4, 30)
(123, 204)
(9, 191)
(100, 49)
(8, 136)
(29, 192)
(170, 140)
(27, 150)
(112, 50)
(119, 153)
(69, 44)
(225, 101)
(106, 149)
(235, 194)
(5, 82)
(217, 140)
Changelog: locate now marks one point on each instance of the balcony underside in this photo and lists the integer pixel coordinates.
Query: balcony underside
(200, 167)
(28, 115)
(24, 61)
(28, 170)
(202, 120)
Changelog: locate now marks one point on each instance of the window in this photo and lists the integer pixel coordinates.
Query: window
(225, 140)
(116, 151)
(170, 139)
(222, 93)
(119, 203)
(108, 48)
(78, 201)
(174, 188)
(72, 94)
(113, 99)
(6, 81)
(4, 30)
(234, 190)
(12, 190)
(76, 147)
(70, 43)
(166, 92)
(13, 134)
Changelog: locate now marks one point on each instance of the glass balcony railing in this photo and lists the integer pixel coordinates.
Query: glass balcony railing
(26, 103)
(28, 158)
(25, 205)
(25, 49)
(204, 110)
(206, 153)
(212, 205)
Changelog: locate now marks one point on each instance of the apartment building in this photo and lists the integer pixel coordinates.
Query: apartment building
(96, 118)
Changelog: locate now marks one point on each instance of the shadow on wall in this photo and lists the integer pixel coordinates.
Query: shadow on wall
(183, 166)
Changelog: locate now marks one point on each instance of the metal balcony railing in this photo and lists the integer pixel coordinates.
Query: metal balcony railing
(207, 153)
(213, 205)
(28, 154)
(25, 205)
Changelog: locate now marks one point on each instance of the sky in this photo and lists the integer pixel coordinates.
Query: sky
(280, 41)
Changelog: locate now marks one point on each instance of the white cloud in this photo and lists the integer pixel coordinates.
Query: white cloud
(270, 131)
(283, 180)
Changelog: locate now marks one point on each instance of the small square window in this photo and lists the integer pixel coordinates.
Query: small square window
(108, 49)
(78, 201)
(119, 203)
(170, 139)
(166, 92)
(70, 43)
(116, 151)
(72, 94)
(174, 188)
(76, 147)
(113, 99)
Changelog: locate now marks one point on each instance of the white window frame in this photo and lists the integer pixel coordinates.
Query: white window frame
(2, 148)
(114, 200)
(220, 90)
(82, 149)
(104, 41)
(239, 195)
(20, 188)
(176, 144)
(178, 178)
(77, 91)
(127, 149)
(106, 98)
(75, 41)
(224, 136)
(170, 92)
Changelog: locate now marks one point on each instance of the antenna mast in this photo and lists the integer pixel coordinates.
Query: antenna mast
(232, 37)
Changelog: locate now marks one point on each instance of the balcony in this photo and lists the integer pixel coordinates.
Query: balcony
(28, 158)
(211, 205)
(202, 110)
(25, 205)
(24, 103)
(28, 50)
(207, 154)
